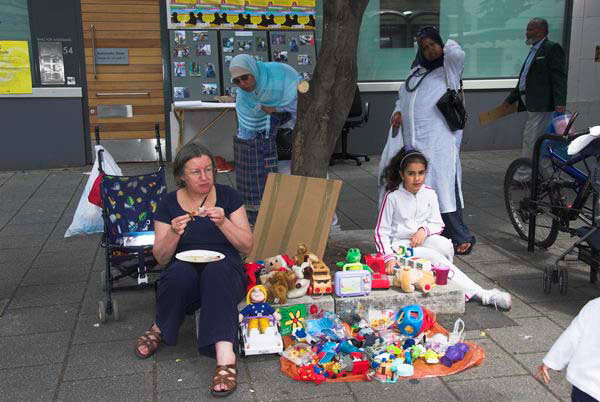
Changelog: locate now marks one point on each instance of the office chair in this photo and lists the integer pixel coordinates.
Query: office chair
(358, 116)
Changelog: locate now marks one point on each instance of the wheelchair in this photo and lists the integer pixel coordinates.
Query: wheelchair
(556, 194)
(128, 207)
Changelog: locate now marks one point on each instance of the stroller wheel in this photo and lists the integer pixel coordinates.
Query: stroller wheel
(115, 310)
(102, 311)
(242, 352)
(563, 281)
(547, 281)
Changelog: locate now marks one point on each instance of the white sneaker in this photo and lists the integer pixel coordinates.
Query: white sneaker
(497, 298)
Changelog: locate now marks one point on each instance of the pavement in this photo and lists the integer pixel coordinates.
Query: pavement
(53, 348)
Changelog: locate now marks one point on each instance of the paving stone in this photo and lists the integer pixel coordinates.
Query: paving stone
(531, 291)
(483, 253)
(57, 275)
(132, 325)
(558, 382)
(477, 316)
(244, 392)
(521, 309)
(513, 270)
(3, 304)
(272, 385)
(39, 216)
(427, 389)
(45, 295)
(186, 348)
(137, 387)
(34, 231)
(497, 363)
(104, 359)
(29, 383)
(514, 388)
(21, 242)
(61, 244)
(447, 299)
(66, 257)
(560, 312)
(36, 349)
(192, 373)
(18, 257)
(130, 302)
(38, 319)
(535, 334)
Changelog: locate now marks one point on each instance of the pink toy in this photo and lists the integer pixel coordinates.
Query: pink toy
(442, 274)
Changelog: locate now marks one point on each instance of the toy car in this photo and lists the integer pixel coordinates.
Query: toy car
(252, 342)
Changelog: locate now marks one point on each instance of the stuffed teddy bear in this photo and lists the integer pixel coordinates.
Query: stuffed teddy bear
(406, 278)
(301, 254)
(426, 283)
(301, 285)
(275, 263)
(278, 285)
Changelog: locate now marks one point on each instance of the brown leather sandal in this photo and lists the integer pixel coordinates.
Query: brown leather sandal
(151, 340)
(225, 374)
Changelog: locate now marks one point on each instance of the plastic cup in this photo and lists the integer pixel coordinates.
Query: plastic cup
(442, 274)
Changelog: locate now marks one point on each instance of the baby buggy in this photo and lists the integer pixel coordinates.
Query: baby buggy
(128, 207)
(558, 193)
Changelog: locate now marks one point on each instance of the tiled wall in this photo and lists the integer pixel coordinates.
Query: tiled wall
(584, 72)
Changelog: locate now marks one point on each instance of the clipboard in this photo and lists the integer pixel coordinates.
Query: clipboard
(497, 113)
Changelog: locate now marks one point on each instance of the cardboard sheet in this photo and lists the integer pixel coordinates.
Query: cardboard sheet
(496, 113)
(294, 209)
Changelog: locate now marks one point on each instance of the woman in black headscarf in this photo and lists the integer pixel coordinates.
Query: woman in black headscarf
(437, 67)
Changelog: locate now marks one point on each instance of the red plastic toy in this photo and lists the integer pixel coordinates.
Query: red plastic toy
(252, 270)
(380, 279)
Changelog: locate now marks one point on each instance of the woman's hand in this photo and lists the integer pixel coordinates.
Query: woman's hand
(390, 266)
(268, 109)
(179, 224)
(397, 119)
(216, 215)
(418, 238)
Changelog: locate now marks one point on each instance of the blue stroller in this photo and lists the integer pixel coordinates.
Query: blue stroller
(128, 207)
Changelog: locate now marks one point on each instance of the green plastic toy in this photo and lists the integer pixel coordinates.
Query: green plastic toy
(352, 263)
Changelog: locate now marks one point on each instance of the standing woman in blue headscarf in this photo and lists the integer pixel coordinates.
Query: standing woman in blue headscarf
(437, 67)
(266, 102)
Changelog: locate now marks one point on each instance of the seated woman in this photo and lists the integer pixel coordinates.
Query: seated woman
(200, 215)
(410, 216)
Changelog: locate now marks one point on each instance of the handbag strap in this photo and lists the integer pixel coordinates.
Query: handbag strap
(460, 89)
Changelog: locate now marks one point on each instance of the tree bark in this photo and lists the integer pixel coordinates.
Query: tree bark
(323, 110)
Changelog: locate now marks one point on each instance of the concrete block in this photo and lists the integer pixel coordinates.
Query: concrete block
(426, 389)
(536, 334)
(29, 383)
(104, 359)
(447, 299)
(520, 388)
(30, 350)
(38, 320)
(136, 387)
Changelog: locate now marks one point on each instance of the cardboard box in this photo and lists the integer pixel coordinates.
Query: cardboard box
(294, 209)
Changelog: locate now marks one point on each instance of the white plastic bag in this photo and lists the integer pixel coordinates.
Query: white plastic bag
(392, 146)
(88, 217)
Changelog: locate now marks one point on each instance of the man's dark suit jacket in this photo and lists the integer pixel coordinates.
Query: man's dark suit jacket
(546, 83)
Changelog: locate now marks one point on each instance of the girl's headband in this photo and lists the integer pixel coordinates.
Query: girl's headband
(414, 152)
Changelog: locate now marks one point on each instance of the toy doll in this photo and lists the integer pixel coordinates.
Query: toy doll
(258, 309)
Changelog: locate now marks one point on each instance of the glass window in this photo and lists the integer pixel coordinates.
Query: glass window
(492, 33)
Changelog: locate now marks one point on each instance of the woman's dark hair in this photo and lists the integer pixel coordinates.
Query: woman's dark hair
(398, 164)
(190, 151)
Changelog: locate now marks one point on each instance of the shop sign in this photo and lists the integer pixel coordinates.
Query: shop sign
(112, 55)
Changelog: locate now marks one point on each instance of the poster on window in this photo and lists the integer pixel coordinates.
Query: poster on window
(15, 69)
(52, 66)
(236, 14)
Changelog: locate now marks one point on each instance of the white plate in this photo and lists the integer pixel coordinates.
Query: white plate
(199, 256)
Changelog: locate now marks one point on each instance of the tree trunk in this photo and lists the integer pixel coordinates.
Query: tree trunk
(323, 110)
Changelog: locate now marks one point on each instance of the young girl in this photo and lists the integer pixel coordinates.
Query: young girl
(410, 216)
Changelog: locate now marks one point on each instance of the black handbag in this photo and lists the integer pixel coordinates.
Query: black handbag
(283, 137)
(452, 107)
(284, 140)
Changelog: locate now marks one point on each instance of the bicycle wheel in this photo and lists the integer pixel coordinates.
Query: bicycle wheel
(517, 191)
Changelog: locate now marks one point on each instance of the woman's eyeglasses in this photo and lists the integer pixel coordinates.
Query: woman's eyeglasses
(241, 78)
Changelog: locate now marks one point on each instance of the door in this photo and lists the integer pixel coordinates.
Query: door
(125, 79)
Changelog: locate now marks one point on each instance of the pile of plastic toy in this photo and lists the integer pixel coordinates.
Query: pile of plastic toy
(384, 345)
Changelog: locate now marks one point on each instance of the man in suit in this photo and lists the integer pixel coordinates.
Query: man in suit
(542, 86)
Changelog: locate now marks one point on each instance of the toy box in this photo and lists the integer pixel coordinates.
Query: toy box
(352, 283)
(375, 262)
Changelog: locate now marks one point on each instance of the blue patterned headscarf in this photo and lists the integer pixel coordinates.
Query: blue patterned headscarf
(276, 86)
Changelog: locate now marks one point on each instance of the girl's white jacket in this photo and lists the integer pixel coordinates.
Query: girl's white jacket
(402, 213)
